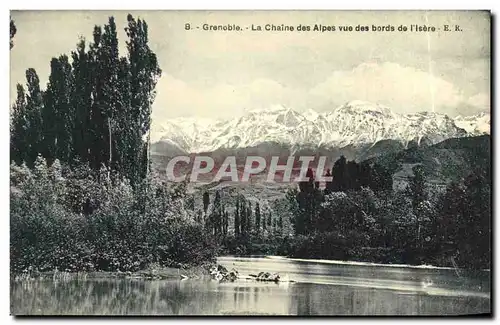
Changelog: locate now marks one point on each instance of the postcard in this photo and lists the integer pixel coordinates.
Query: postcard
(257, 163)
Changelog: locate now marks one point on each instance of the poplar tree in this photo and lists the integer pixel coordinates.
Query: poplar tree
(264, 221)
(416, 190)
(206, 202)
(122, 121)
(96, 152)
(237, 218)
(225, 223)
(110, 94)
(257, 216)
(218, 216)
(248, 218)
(81, 103)
(34, 105)
(18, 127)
(243, 218)
(57, 114)
(97, 107)
(144, 74)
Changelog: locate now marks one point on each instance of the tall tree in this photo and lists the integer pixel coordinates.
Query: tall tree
(365, 175)
(293, 209)
(352, 176)
(257, 217)
(96, 109)
(18, 127)
(248, 217)
(57, 113)
(237, 218)
(328, 184)
(110, 93)
(417, 192)
(243, 217)
(34, 106)
(451, 209)
(206, 202)
(339, 174)
(81, 103)
(144, 74)
(217, 212)
(381, 178)
(225, 223)
(475, 227)
(99, 129)
(264, 222)
(123, 135)
(309, 199)
(105, 70)
(464, 220)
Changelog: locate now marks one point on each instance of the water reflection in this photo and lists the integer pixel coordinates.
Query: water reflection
(331, 290)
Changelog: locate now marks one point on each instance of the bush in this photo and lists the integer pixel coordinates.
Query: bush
(328, 245)
(67, 219)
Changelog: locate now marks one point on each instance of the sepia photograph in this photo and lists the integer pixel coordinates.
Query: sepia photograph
(250, 163)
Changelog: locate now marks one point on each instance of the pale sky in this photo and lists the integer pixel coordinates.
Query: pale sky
(222, 74)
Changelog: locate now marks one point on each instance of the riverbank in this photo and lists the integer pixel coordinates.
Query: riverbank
(152, 273)
(336, 247)
(312, 289)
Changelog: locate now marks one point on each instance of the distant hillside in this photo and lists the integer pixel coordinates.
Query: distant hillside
(163, 152)
(451, 159)
(443, 162)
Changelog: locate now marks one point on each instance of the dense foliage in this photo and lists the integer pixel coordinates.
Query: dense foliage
(96, 108)
(66, 219)
(84, 198)
(82, 195)
(422, 224)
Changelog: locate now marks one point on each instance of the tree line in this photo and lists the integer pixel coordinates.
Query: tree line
(420, 224)
(82, 195)
(359, 216)
(307, 200)
(96, 107)
(247, 218)
(93, 118)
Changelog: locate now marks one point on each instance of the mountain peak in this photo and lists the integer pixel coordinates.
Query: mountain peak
(475, 124)
(271, 109)
(311, 114)
(358, 102)
(360, 106)
(353, 123)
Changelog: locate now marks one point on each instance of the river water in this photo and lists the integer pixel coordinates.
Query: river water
(315, 287)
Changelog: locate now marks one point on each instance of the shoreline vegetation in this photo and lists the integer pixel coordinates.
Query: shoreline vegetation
(164, 273)
(46, 233)
(202, 272)
(84, 197)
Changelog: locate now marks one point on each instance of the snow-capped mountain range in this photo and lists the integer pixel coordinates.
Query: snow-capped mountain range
(475, 124)
(353, 123)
